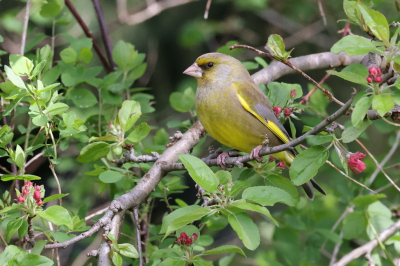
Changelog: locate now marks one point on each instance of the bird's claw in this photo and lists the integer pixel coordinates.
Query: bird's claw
(221, 160)
(254, 154)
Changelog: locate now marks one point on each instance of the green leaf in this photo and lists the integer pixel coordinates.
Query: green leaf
(200, 172)
(55, 109)
(13, 227)
(354, 225)
(8, 87)
(83, 98)
(241, 204)
(353, 45)
(35, 41)
(129, 114)
(239, 186)
(69, 56)
(200, 262)
(26, 259)
(38, 69)
(161, 137)
(21, 65)
(355, 73)
(116, 259)
(353, 12)
(182, 102)
(261, 61)
(16, 80)
(278, 94)
(50, 9)
(47, 88)
(86, 55)
(139, 133)
(223, 177)
(190, 230)
(172, 262)
(110, 176)
(93, 152)
(39, 246)
(128, 250)
(54, 197)
(187, 218)
(19, 177)
(19, 157)
(268, 196)
(57, 215)
(175, 215)
(360, 110)
(250, 65)
(246, 229)
(376, 22)
(366, 200)
(330, 235)
(315, 140)
(382, 104)
(351, 133)
(305, 166)
(277, 46)
(342, 156)
(23, 229)
(166, 253)
(283, 183)
(124, 55)
(9, 253)
(224, 249)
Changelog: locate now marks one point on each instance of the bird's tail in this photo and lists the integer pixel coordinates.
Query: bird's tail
(287, 158)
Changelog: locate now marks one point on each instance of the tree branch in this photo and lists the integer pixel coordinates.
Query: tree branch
(25, 29)
(367, 248)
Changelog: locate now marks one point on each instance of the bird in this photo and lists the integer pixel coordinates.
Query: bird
(236, 113)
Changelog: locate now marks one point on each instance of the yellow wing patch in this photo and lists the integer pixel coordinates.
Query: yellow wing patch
(270, 125)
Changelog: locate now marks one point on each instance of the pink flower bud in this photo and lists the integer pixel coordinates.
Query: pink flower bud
(37, 188)
(194, 236)
(21, 199)
(359, 155)
(28, 183)
(184, 235)
(378, 79)
(188, 242)
(355, 164)
(293, 94)
(277, 110)
(280, 165)
(39, 202)
(287, 111)
(369, 79)
(25, 191)
(373, 71)
(379, 71)
(36, 195)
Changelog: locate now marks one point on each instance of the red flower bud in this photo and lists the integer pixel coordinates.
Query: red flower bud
(25, 191)
(184, 235)
(356, 165)
(21, 199)
(194, 236)
(277, 110)
(287, 111)
(378, 80)
(293, 94)
(188, 242)
(359, 155)
(36, 195)
(280, 165)
(37, 188)
(369, 79)
(271, 159)
(373, 71)
(28, 183)
(379, 71)
(39, 202)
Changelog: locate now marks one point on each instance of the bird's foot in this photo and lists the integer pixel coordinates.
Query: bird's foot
(254, 154)
(221, 160)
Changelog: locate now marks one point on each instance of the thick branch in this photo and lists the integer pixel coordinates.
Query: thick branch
(308, 62)
(367, 248)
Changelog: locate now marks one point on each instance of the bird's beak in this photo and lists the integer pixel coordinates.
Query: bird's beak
(194, 71)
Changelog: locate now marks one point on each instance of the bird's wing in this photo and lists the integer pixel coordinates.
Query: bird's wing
(255, 102)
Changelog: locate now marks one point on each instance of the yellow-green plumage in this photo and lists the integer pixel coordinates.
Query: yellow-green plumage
(234, 111)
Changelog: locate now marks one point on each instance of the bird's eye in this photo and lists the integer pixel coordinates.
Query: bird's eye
(210, 64)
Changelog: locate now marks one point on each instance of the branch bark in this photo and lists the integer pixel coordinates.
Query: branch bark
(367, 248)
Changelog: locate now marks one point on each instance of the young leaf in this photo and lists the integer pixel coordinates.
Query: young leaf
(39, 246)
(13, 227)
(23, 229)
(83, 98)
(353, 45)
(305, 166)
(315, 140)
(16, 80)
(38, 68)
(57, 215)
(57, 108)
(200, 172)
(342, 156)
(241, 204)
(182, 102)
(366, 200)
(224, 249)
(284, 184)
(360, 110)
(69, 56)
(54, 197)
(93, 152)
(246, 229)
(354, 224)
(140, 132)
(110, 176)
(268, 196)
(175, 215)
(21, 65)
(351, 133)
(382, 104)
(355, 73)
(376, 22)
(128, 250)
(86, 55)
(277, 46)
(116, 259)
(19, 177)
(129, 114)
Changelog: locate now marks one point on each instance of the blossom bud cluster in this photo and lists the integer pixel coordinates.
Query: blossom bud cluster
(375, 74)
(355, 163)
(30, 191)
(185, 240)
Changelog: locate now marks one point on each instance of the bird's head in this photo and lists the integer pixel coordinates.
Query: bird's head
(216, 68)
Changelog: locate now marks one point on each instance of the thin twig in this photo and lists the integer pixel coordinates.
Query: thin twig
(87, 218)
(289, 64)
(3, 239)
(336, 250)
(2, 76)
(378, 165)
(207, 9)
(393, 124)
(104, 33)
(387, 157)
(308, 95)
(321, 11)
(138, 235)
(58, 182)
(25, 29)
(34, 158)
(88, 34)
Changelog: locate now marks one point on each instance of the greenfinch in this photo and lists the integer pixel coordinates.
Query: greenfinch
(236, 113)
